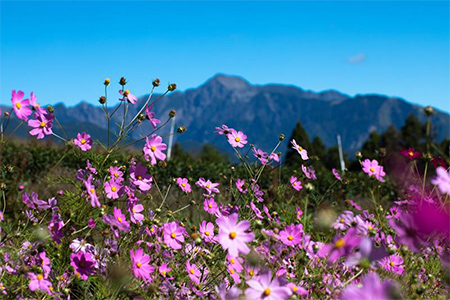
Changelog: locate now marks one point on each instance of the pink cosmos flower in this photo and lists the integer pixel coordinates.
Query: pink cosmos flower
(336, 174)
(140, 177)
(442, 180)
(184, 185)
(209, 186)
(393, 264)
(39, 282)
(194, 272)
(224, 130)
(128, 97)
(117, 220)
(83, 264)
(116, 173)
(151, 117)
(372, 168)
(83, 141)
(296, 184)
(44, 262)
(411, 153)
(296, 289)
(20, 105)
(240, 186)
(233, 236)
(235, 263)
(303, 153)
(275, 157)
(309, 172)
(207, 231)
(90, 188)
(372, 288)
(264, 288)
(260, 155)
(135, 213)
(153, 149)
(292, 234)
(210, 206)
(35, 105)
(237, 138)
(42, 125)
(140, 264)
(112, 189)
(164, 269)
(174, 235)
(342, 246)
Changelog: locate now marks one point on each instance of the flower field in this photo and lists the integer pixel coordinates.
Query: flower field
(106, 221)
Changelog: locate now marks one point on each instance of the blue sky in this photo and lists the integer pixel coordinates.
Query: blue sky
(63, 50)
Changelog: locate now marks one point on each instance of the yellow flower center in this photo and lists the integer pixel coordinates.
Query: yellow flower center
(392, 263)
(267, 292)
(208, 186)
(411, 153)
(133, 210)
(83, 141)
(207, 233)
(152, 229)
(18, 105)
(372, 170)
(42, 124)
(300, 148)
(116, 175)
(192, 271)
(138, 265)
(183, 184)
(290, 237)
(153, 148)
(295, 183)
(119, 219)
(237, 139)
(139, 177)
(231, 271)
(369, 227)
(92, 191)
(77, 274)
(40, 277)
(43, 262)
(232, 261)
(210, 205)
(173, 235)
(232, 235)
(342, 220)
(251, 273)
(163, 272)
(339, 243)
(294, 288)
(113, 188)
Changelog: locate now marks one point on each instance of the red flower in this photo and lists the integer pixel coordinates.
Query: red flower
(411, 153)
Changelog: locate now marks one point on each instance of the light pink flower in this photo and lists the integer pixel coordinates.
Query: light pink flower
(127, 96)
(237, 138)
(140, 264)
(174, 235)
(372, 168)
(233, 236)
(264, 288)
(303, 153)
(184, 185)
(296, 184)
(153, 149)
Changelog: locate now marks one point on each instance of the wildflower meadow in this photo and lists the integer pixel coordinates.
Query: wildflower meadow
(119, 220)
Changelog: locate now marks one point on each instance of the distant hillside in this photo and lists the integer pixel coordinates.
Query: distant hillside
(263, 112)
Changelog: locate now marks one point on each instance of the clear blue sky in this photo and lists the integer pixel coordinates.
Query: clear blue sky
(63, 50)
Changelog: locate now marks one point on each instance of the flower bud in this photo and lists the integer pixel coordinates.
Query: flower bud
(181, 129)
(429, 111)
(50, 109)
(123, 81)
(107, 82)
(172, 113)
(358, 155)
(6, 114)
(382, 152)
(141, 117)
(172, 87)
(102, 100)
(281, 137)
(156, 82)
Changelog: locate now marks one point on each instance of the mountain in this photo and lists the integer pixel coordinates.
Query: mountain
(262, 112)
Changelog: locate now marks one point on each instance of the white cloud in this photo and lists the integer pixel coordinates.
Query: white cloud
(357, 59)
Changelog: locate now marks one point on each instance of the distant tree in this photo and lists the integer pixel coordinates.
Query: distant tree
(371, 147)
(332, 160)
(391, 140)
(179, 154)
(413, 133)
(445, 147)
(318, 148)
(299, 134)
(212, 155)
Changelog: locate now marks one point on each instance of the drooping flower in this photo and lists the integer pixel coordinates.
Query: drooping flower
(20, 105)
(174, 235)
(442, 180)
(309, 172)
(210, 206)
(411, 153)
(83, 141)
(264, 288)
(42, 125)
(296, 184)
(260, 155)
(393, 264)
(39, 282)
(233, 236)
(336, 174)
(303, 153)
(237, 138)
(372, 168)
(153, 149)
(127, 96)
(140, 264)
(83, 264)
(207, 231)
(140, 177)
(292, 234)
(33, 102)
(151, 117)
(372, 288)
(240, 186)
(274, 156)
(184, 185)
(341, 246)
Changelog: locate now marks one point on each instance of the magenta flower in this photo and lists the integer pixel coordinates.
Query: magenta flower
(153, 149)
(210, 206)
(116, 173)
(20, 105)
(140, 178)
(194, 272)
(112, 189)
(140, 264)
(439, 161)
(35, 105)
(303, 153)
(135, 213)
(184, 185)
(240, 186)
(296, 184)
(83, 264)
(372, 168)
(292, 234)
(296, 289)
(411, 153)
(117, 220)
(83, 141)
(260, 155)
(164, 269)
(237, 138)
(393, 264)
(90, 188)
(209, 186)
(151, 117)
(274, 156)
(372, 288)
(264, 288)
(174, 235)
(341, 246)
(42, 125)
(233, 236)
(128, 97)
(207, 232)
(336, 174)
(442, 180)
(39, 282)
